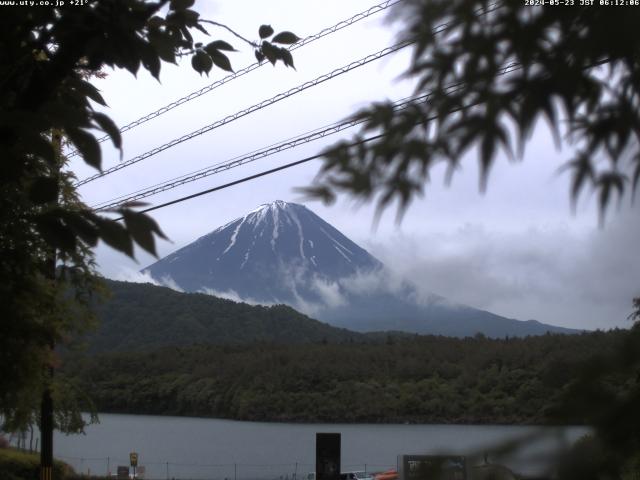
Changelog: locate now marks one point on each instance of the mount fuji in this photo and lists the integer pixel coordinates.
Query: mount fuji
(284, 253)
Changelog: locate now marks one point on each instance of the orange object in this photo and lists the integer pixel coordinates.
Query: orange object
(388, 475)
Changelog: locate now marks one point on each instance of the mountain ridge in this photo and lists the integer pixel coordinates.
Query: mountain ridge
(282, 252)
(139, 316)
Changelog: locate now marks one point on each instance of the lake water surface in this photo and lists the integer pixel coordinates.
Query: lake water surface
(198, 448)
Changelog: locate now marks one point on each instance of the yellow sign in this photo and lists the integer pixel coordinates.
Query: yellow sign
(133, 458)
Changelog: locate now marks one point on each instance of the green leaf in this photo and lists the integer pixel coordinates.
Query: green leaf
(89, 90)
(82, 226)
(583, 173)
(487, 151)
(287, 58)
(55, 232)
(201, 28)
(114, 235)
(285, 38)
(220, 45)
(164, 45)
(190, 20)
(109, 127)
(44, 190)
(606, 183)
(181, 4)
(201, 62)
(87, 145)
(320, 192)
(133, 204)
(142, 228)
(150, 60)
(221, 60)
(271, 52)
(265, 31)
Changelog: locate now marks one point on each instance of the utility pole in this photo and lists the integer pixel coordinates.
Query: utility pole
(46, 407)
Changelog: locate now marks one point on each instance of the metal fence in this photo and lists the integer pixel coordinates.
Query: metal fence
(159, 470)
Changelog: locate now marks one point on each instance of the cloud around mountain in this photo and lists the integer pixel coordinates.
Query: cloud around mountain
(283, 253)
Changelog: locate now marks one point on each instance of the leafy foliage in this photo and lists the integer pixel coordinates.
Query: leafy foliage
(16, 465)
(46, 60)
(576, 68)
(606, 394)
(272, 52)
(635, 315)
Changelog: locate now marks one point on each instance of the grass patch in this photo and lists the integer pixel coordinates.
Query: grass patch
(18, 465)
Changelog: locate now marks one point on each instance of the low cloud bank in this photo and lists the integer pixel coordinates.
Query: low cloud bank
(135, 276)
(562, 275)
(233, 296)
(573, 278)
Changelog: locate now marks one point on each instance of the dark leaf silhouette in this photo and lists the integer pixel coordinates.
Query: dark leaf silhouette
(109, 127)
(201, 62)
(219, 45)
(87, 145)
(221, 60)
(494, 69)
(285, 38)
(265, 31)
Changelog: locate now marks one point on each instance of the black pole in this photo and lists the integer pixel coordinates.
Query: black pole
(46, 407)
(46, 429)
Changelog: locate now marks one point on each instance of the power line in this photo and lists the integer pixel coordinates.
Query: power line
(353, 65)
(251, 177)
(246, 158)
(242, 113)
(267, 151)
(218, 83)
(507, 69)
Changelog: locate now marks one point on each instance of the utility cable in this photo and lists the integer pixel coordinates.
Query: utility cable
(250, 177)
(507, 69)
(301, 43)
(242, 113)
(369, 58)
(268, 151)
(290, 143)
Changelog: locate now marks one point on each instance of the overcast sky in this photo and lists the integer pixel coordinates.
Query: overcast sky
(516, 250)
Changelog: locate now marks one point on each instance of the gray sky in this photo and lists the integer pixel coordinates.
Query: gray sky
(516, 251)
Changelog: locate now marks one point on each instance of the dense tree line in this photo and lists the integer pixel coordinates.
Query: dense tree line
(394, 379)
(138, 316)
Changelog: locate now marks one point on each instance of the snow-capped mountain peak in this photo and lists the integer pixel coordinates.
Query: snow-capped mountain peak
(281, 237)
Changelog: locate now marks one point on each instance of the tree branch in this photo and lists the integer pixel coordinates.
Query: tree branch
(253, 44)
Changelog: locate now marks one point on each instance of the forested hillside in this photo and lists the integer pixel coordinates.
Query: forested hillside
(398, 379)
(141, 316)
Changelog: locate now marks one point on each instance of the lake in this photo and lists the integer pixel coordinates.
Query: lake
(199, 448)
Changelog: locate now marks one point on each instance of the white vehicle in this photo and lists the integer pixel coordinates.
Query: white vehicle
(359, 475)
